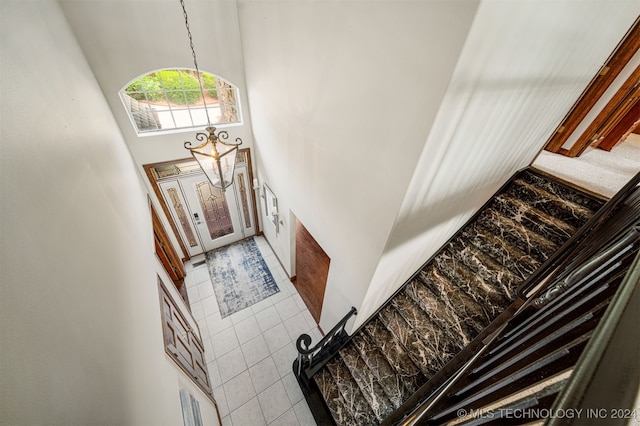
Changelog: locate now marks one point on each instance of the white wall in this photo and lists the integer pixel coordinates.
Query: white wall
(522, 67)
(123, 39)
(342, 96)
(80, 316)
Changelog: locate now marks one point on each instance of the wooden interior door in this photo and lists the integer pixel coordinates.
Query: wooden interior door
(312, 269)
(168, 255)
(181, 343)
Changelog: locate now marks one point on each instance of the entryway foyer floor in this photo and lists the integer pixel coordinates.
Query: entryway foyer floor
(249, 354)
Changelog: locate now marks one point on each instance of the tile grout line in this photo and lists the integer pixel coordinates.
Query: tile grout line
(288, 310)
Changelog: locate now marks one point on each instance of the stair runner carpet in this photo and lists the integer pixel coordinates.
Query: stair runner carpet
(467, 284)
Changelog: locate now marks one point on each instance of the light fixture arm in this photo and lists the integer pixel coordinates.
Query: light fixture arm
(195, 60)
(221, 137)
(217, 164)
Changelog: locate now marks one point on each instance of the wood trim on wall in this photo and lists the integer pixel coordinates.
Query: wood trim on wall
(156, 189)
(256, 218)
(167, 254)
(596, 88)
(625, 123)
(610, 115)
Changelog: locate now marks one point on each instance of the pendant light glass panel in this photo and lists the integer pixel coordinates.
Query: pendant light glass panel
(219, 171)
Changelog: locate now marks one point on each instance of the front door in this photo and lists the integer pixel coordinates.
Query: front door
(213, 212)
(206, 217)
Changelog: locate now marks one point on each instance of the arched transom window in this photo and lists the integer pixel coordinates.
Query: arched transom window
(170, 99)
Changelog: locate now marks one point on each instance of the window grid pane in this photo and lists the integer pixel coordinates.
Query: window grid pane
(171, 99)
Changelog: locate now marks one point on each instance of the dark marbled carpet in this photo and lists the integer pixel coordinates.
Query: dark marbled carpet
(466, 285)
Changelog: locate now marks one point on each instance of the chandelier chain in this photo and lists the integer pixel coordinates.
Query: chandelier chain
(195, 60)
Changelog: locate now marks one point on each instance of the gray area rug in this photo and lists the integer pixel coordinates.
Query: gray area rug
(240, 276)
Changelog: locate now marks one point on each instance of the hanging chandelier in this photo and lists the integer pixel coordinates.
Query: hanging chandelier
(216, 156)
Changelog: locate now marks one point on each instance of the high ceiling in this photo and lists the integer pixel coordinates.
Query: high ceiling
(379, 124)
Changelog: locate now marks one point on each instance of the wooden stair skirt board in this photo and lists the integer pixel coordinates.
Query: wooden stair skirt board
(469, 282)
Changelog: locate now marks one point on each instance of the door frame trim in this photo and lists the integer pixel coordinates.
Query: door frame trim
(148, 170)
(607, 117)
(620, 57)
(172, 260)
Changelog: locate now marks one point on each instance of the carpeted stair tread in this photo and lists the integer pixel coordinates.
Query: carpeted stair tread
(503, 253)
(371, 390)
(541, 210)
(562, 191)
(381, 369)
(453, 318)
(451, 294)
(535, 245)
(442, 345)
(535, 220)
(500, 277)
(465, 280)
(574, 214)
(411, 377)
(334, 400)
(471, 280)
(355, 402)
(416, 349)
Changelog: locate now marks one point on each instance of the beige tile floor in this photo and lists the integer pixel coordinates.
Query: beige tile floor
(250, 353)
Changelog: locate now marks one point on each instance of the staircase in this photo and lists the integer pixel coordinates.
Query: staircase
(454, 297)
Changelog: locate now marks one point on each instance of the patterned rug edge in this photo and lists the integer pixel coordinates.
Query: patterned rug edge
(240, 276)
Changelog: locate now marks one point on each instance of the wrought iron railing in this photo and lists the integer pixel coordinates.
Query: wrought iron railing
(310, 360)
